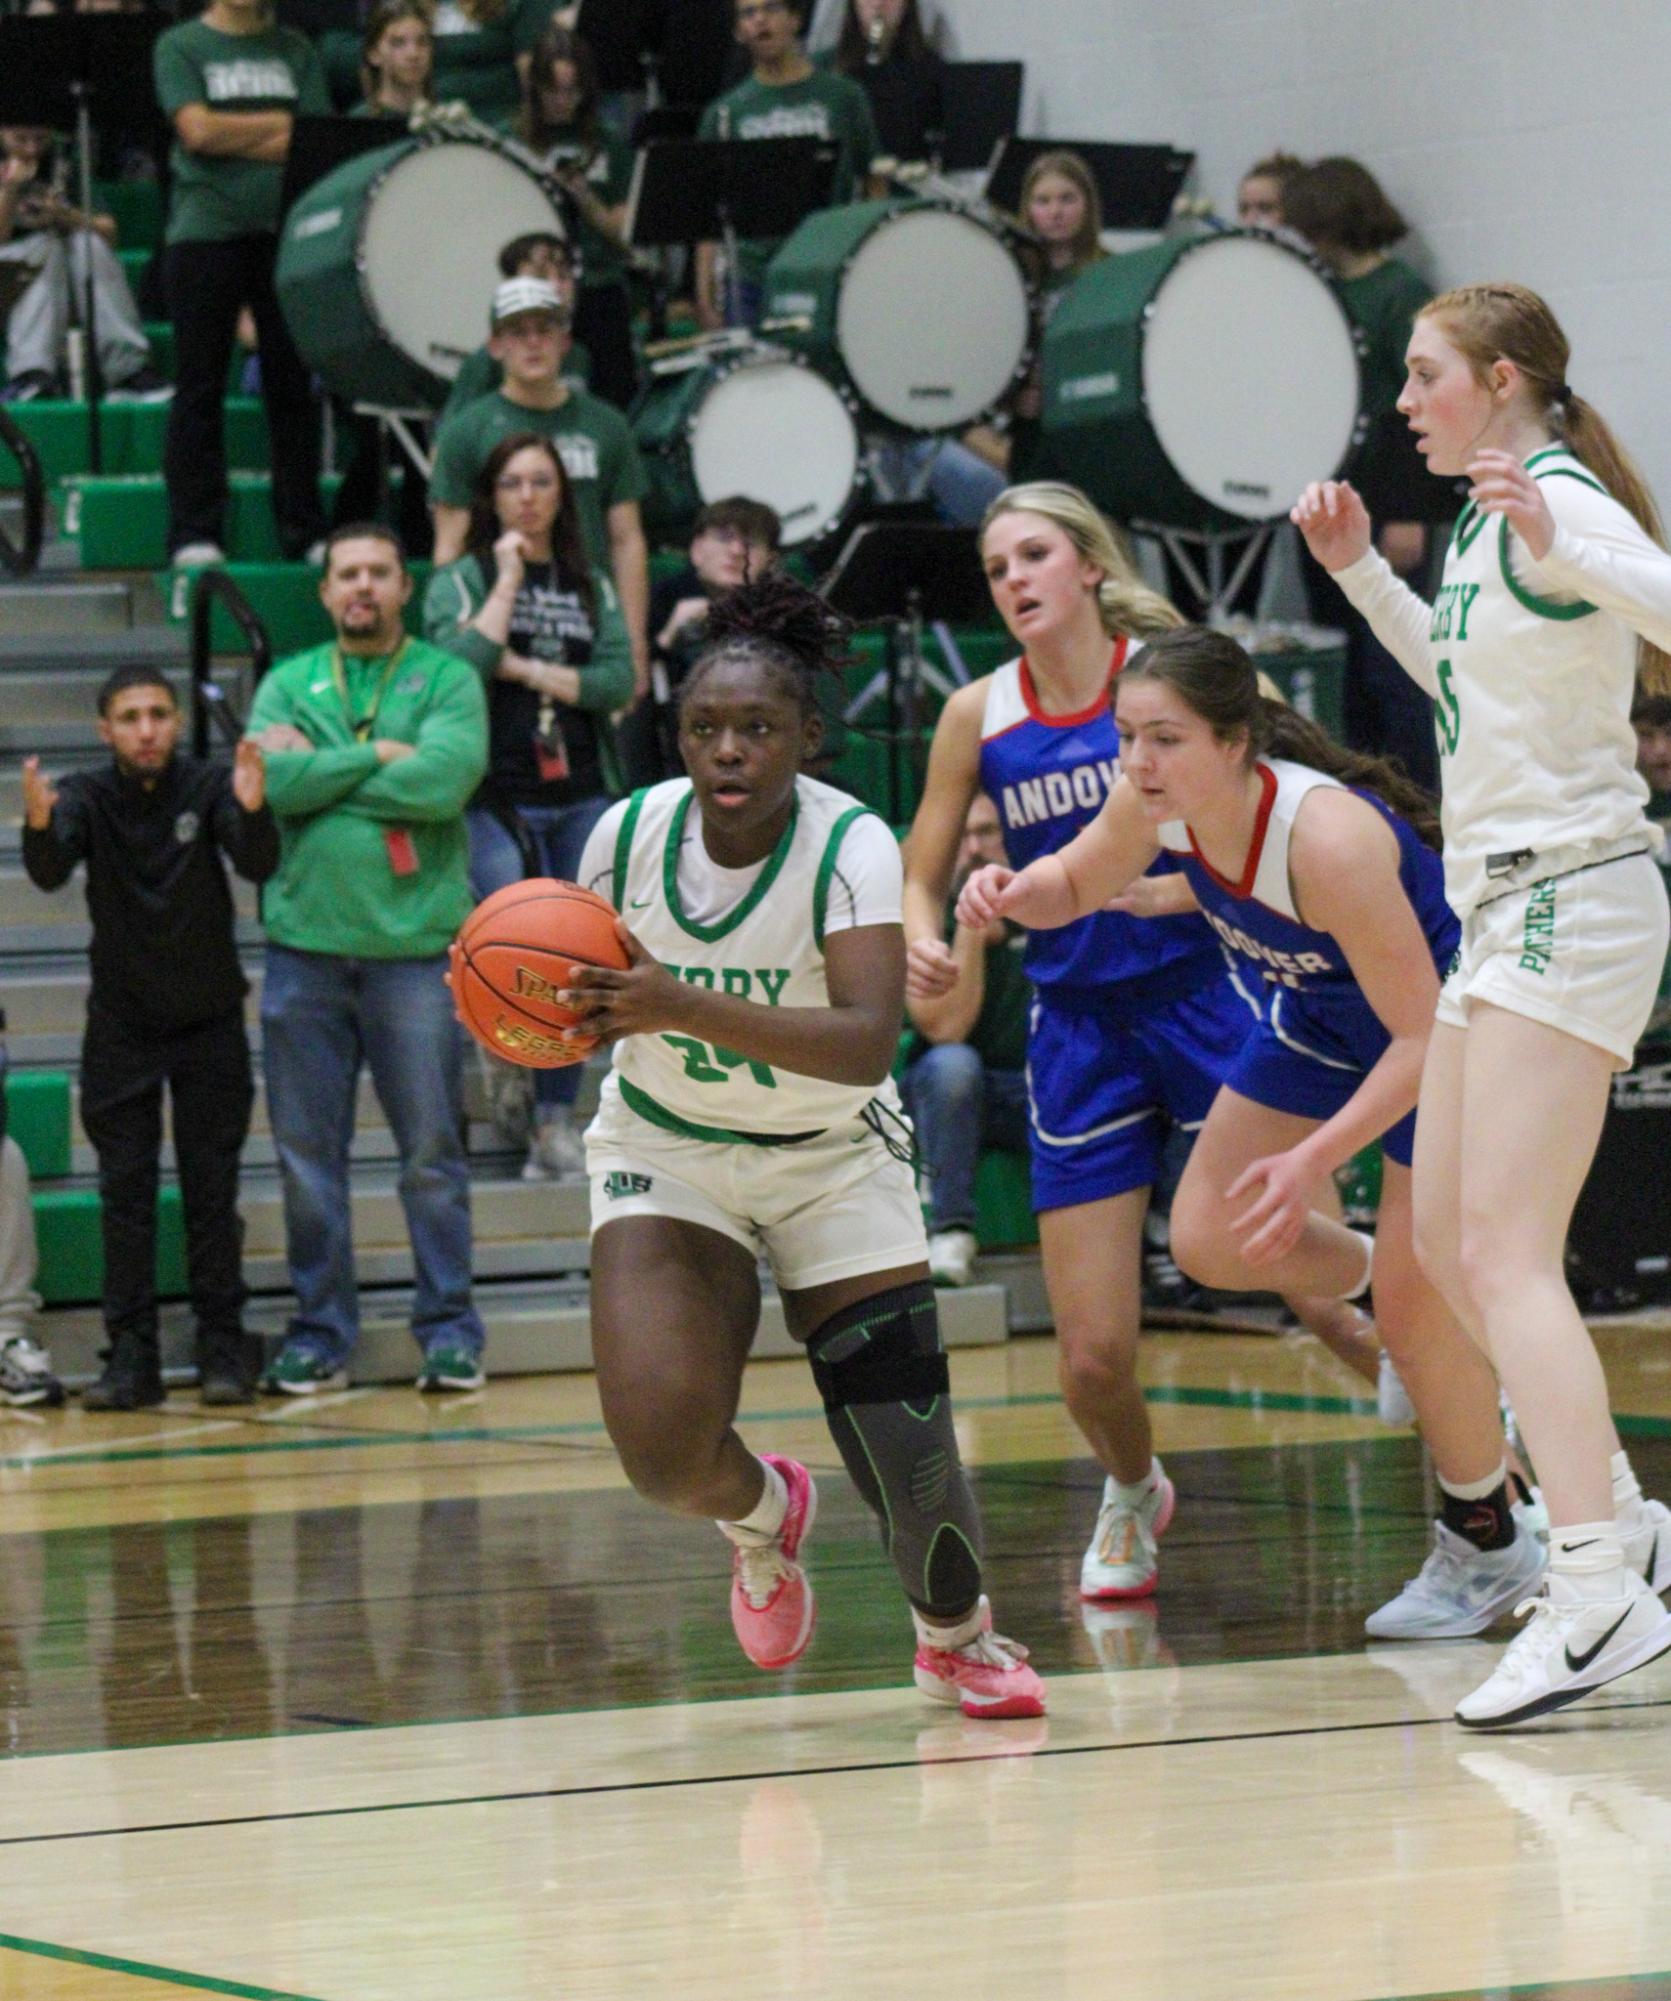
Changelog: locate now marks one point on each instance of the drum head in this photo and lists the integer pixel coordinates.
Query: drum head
(933, 320)
(1250, 374)
(429, 249)
(775, 431)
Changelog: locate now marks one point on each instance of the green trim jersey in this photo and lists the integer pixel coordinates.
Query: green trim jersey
(1531, 667)
(758, 933)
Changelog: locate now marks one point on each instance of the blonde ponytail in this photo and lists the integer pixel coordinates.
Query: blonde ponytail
(1126, 605)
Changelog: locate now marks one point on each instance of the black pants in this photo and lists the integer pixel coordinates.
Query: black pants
(603, 320)
(208, 283)
(207, 1071)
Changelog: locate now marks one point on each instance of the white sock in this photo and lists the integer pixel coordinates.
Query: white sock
(1475, 1490)
(763, 1521)
(946, 1639)
(1586, 1561)
(1362, 1286)
(1135, 1492)
(1627, 1490)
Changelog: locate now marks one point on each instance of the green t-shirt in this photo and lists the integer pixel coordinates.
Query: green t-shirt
(818, 107)
(480, 375)
(477, 62)
(216, 197)
(609, 176)
(999, 1033)
(593, 440)
(337, 888)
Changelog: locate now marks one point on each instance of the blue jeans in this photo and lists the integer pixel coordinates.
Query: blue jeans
(960, 483)
(321, 1016)
(958, 1106)
(557, 835)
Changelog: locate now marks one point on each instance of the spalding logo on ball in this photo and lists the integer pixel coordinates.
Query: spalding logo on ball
(517, 952)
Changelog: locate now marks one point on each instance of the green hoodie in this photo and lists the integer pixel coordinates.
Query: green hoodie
(337, 889)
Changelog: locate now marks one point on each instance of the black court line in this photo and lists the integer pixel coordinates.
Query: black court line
(751, 1778)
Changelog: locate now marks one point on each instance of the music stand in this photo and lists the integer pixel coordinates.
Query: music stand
(318, 146)
(56, 70)
(1137, 184)
(981, 106)
(722, 190)
(888, 573)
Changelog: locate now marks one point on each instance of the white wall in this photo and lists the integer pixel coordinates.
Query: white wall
(1526, 139)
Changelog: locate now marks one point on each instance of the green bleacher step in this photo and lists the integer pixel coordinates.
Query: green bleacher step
(67, 1231)
(38, 1118)
(122, 522)
(137, 208)
(285, 597)
(134, 262)
(130, 436)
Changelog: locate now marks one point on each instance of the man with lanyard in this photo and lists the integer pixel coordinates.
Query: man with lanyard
(374, 742)
(531, 341)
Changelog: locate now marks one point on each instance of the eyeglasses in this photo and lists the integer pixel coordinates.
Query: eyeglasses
(536, 482)
(761, 10)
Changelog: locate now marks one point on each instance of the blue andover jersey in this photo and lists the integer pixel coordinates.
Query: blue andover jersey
(1048, 776)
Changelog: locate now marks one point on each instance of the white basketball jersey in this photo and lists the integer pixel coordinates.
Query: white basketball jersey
(768, 948)
(1533, 704)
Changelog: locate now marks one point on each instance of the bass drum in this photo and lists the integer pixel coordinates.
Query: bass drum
(922, 308)
(386, 267)
(1201, 383)
(760, 426)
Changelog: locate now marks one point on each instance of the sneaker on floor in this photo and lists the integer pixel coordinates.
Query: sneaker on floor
(1460, 1590)
(772, 1609)
(987, 1677)
(26, 1372)
(1392, 1399)
(951, 1256)
(198, 556)
(220, 1385)
(300, 1371)
(125, 1386)
(447, 1366)
(1122, 1561)
(1569, 1647)
(1646, 1541)
(557, 1153)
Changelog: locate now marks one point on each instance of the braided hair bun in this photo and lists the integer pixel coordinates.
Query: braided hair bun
(785, 627)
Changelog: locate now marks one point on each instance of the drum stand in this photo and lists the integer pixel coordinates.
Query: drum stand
(396, 424)
(1217, 590)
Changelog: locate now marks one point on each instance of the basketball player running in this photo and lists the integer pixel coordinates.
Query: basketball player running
(1320, 873)
(1135, 1020)
(749, 1111)
(1529, 650)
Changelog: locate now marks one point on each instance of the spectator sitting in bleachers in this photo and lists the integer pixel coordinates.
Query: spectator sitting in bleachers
(533, 256)
(530, 340)
(785, 97)
(166, 1007)
(965, 1084)
(374, 744)
(44, 235)
(1260, 191)
(397, 60)
(481, 53)
(885, 49)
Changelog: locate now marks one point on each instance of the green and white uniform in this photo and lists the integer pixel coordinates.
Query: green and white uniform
(784, 1164)
(1548, 849)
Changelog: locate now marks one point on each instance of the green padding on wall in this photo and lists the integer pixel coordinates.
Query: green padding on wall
(72, 1253)
(1004, 1201)
(38, 1118)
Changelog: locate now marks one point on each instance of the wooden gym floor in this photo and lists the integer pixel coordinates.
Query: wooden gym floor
(377, 1699)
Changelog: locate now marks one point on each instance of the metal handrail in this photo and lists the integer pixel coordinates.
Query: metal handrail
(207, 699)
(22, 562)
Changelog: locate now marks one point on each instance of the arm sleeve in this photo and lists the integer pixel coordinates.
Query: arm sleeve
(1399, 619)
(302, 782)
(50, 853)
(449, 607)
(623, 469)
(250, 841)
(597, 858)
(1602, 555)
(178, 79)
(447, 765)
(868, 886)
(606, 681)
(450, 473)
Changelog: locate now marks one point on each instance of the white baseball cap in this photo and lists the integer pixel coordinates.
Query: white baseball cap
(526, 295)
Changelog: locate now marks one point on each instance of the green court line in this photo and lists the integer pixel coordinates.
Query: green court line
(201, 1983)
(516, 1434)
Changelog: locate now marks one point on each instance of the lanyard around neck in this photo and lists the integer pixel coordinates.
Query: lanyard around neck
(363, 726)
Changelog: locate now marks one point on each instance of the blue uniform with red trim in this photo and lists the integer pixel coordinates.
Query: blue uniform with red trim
(1134, 1019)
(1317, 1036)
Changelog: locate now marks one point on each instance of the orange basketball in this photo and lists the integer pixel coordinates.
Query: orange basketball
(515, 954)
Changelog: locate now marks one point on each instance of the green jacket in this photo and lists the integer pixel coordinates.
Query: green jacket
(337, 889)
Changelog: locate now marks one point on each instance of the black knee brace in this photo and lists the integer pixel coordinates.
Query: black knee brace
(882, 1374)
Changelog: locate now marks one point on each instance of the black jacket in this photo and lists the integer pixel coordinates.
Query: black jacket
(163, 955)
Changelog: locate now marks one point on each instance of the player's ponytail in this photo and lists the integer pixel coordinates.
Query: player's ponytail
(777, 622)
(1215, 678)
(1126, 605)
(1507, 322)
